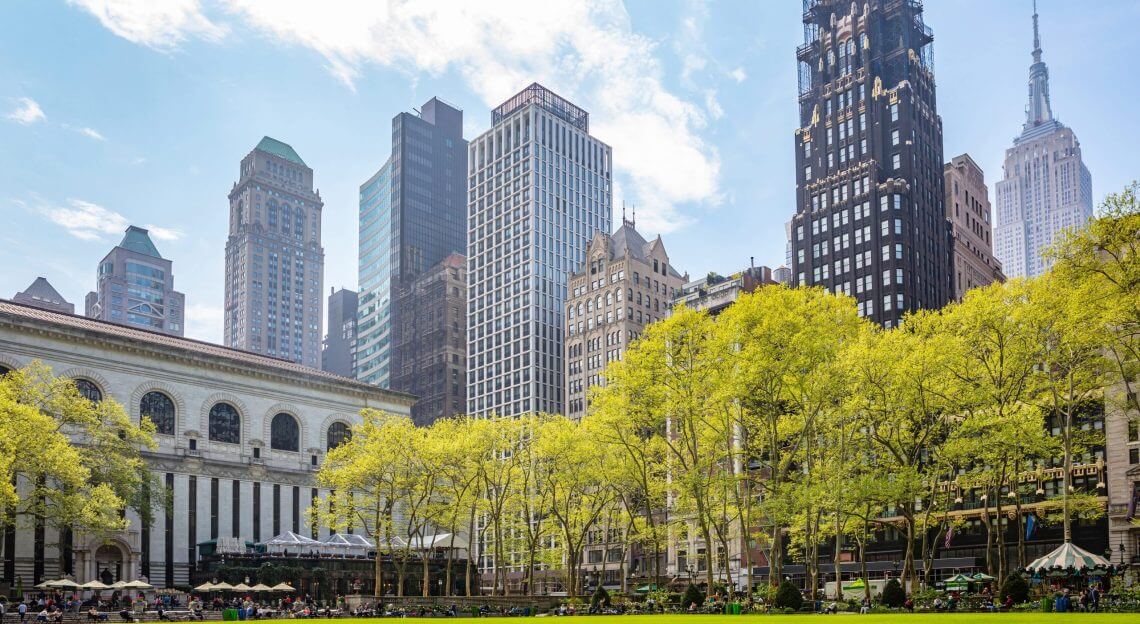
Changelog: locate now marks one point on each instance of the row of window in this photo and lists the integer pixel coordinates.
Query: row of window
(224, 420)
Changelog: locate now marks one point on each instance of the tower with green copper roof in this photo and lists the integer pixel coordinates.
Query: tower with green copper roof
(274, 278)
(134, 286)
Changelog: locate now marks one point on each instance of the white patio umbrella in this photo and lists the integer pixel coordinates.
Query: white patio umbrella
(118, 585)
(242, 587)
(261, 587)
(223, 586)
(285, 587)
(137, 584)
(205, 587)
(64, 583)
(94, 585)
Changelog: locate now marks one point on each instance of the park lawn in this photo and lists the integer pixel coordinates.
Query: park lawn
(878, 618)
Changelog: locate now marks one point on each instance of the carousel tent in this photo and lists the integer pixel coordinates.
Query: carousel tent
(1069, 559)
(290, 541)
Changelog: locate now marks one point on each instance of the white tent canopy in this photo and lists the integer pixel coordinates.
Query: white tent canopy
(347, 543)
(292, 542)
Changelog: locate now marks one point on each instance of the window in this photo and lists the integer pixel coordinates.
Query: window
(338, 434)
(895, 161)
(894, 137)
(284, 433)
(225, 424)
(88, 390)
(160, 410)
(1134, 455)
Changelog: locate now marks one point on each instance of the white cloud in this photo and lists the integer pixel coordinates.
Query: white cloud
(738, 75)
(158, 24)
(91, 133)
(712, 104)
(585, 51)
(27, 112)
(163, 233)
(85, 220)
(204, 322)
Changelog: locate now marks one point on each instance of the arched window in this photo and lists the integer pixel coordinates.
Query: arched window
(160, 410)
(338, 434)
(284, 433)
(225, 424)
(89, 390)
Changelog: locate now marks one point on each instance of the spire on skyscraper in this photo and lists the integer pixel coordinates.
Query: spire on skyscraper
(1039, 109)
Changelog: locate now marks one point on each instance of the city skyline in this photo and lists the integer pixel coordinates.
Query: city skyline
(82, 164)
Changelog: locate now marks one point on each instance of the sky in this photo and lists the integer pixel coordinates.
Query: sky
(119, 112)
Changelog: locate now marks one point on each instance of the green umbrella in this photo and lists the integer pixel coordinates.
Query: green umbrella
(982, 576)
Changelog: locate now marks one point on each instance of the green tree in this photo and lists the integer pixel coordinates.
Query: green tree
(71, 462)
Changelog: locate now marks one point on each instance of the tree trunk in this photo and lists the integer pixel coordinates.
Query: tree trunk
(836, 560)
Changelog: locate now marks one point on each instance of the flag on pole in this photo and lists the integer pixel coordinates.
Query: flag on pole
(1030, 525)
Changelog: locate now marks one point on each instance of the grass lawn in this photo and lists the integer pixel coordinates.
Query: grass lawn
(929, 618)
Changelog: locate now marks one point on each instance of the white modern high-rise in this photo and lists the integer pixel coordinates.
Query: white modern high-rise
(1047, 187)
(539, 186)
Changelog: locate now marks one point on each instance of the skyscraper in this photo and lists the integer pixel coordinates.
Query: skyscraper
(338, 352)
(626, 284)
(968, 209)
(431, 345)
(870, 220)
(274, 258)
(539, 187)
(135, 286)
(41, 294)
(412, 216)
(1047, 187)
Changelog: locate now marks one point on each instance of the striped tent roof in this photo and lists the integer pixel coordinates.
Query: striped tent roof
(1069, 558)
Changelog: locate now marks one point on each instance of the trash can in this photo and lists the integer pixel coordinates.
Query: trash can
(736, 608)
(229, 615)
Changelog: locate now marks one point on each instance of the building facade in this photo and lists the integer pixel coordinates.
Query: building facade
(539, 187)
(41, 294)
(714, 293)
(1047, 188)
(968, 209)
(869, 220)
(412, 216)
(431, 346)
(135, 286)
(240, 436)
(274, 258)
(1122, 458)
(338, 353)
(625, 284)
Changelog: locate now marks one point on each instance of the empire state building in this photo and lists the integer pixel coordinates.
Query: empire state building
(1047, 188)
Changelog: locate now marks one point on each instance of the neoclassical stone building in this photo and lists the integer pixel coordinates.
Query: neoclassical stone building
(240, 437)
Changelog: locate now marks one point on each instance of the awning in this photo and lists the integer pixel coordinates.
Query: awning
(1067, 560)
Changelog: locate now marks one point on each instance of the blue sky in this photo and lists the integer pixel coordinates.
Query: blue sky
(116, 112)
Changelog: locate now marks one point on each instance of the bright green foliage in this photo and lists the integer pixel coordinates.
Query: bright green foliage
(78, 463)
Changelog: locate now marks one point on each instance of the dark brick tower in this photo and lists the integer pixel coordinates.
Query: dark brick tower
(869, 216)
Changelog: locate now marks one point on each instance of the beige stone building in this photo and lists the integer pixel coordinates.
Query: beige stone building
(240, 437)
(968, 209)
(625, 284)
(1122, 459)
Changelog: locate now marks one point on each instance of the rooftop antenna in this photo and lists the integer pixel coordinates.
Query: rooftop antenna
(623, 211)
(634, 221)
